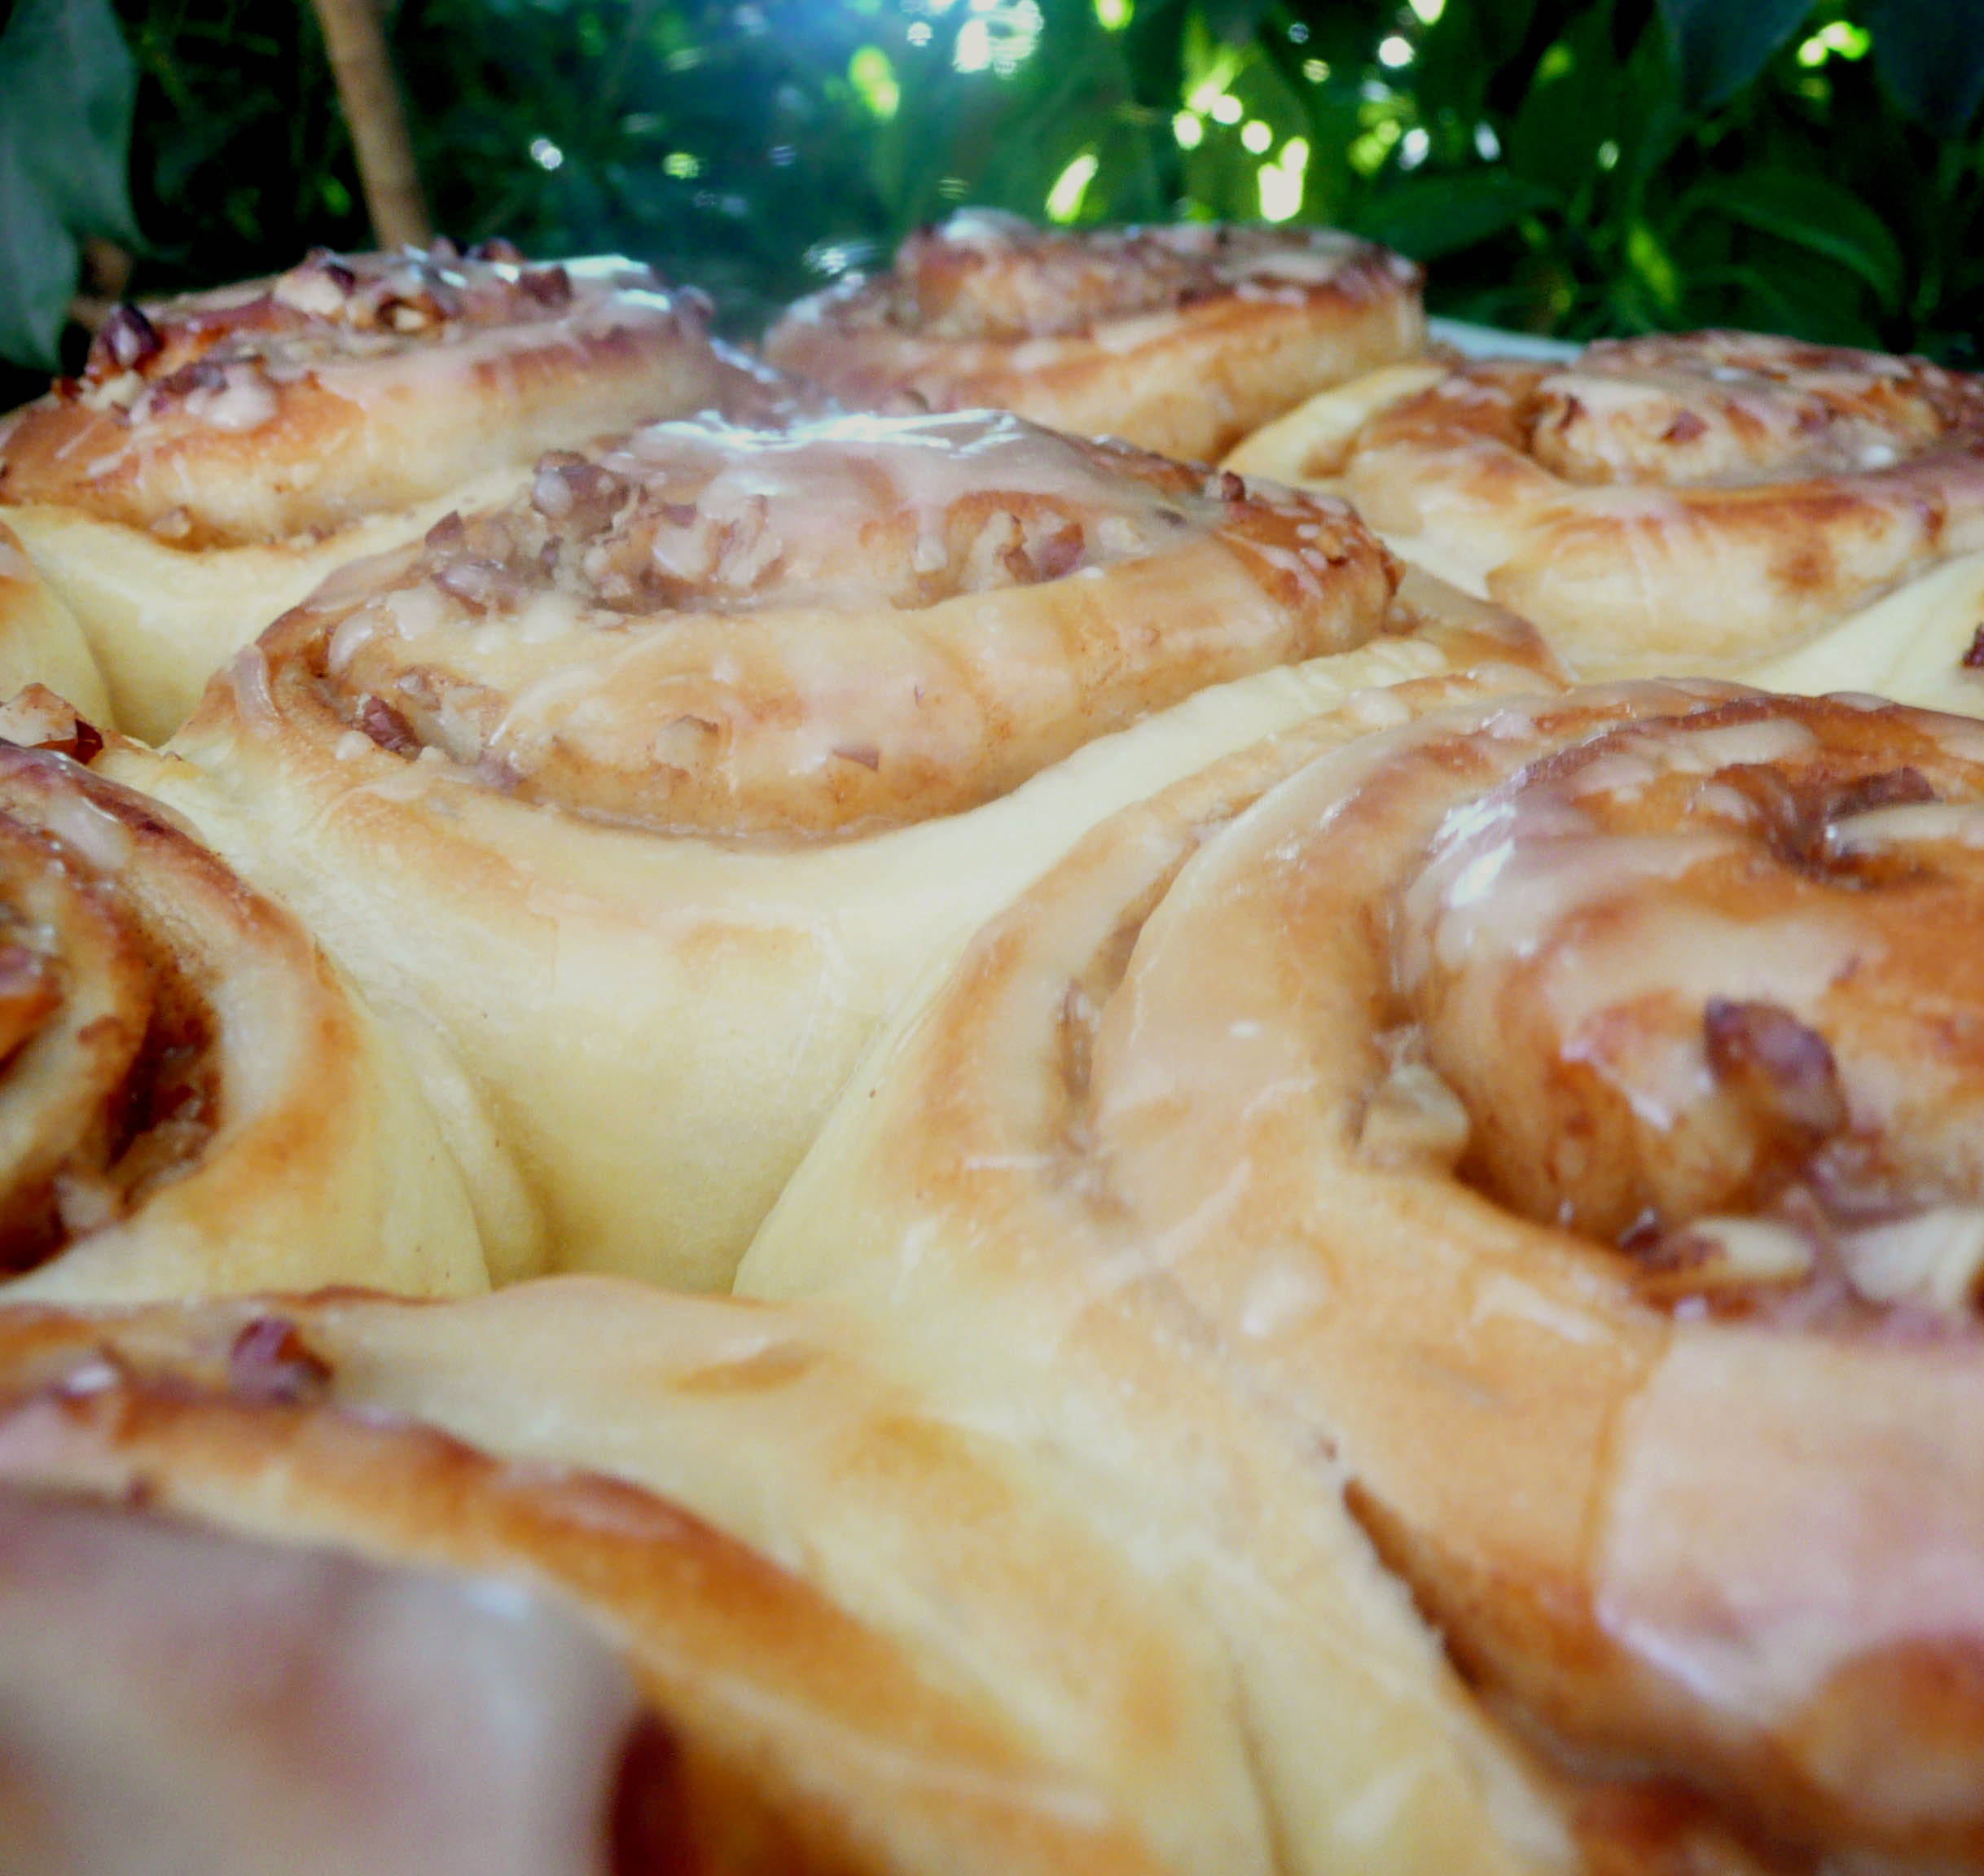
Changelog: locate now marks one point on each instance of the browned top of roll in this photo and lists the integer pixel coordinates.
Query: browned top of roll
(987, 276)
(781, 1734)
(1667, 502)
(843, 625)
(1725, 410)
(355, 384)
(1072, 327)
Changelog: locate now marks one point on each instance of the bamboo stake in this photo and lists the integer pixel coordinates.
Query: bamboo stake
(366, 88)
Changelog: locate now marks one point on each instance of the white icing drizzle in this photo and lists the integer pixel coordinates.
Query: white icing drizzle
(1960, 824)
(95, 835)
(828, 481)
(1733, 408)
(1285, 1286)
(244, 400)
(1933, 1259)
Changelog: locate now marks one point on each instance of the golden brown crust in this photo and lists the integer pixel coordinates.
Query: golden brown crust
(1695, 502)
(1180, 340)
(1558, 1111)
(801, 1738)
(829, 629)
(354, 385)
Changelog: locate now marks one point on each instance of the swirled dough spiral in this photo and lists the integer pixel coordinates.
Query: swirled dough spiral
(469, 1543)
(223, 452)
(1181, 340)
(1556, 1119)
(189, 1101)
(1704, 502)
(659, 786)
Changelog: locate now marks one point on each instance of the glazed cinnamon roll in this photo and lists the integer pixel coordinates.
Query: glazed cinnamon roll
(1708, 501)
(1549, 1123)
(537, 1568)
(658, 785)
(190, 1101)
(223, 452)
(1181, 340)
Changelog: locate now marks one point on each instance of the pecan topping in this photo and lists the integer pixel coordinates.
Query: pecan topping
(127, 338)
(1796, 819)
(579, 496)
(37, 719)
(387, 727)
(1901, 787)
(1781, 1071)
(322, 260)
(548, 285)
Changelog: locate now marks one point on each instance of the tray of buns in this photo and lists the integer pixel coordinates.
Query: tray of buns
(1116, 1064)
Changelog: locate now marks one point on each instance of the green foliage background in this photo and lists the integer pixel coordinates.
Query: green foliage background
(1573, 166)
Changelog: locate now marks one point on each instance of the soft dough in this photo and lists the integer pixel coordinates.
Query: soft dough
(660, 787)
(40, 640)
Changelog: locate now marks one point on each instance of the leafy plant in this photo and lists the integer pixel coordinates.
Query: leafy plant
(66, 87)
(1576, 166)
(1625, 168)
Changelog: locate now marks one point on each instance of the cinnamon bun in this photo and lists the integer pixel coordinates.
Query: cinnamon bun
(1708, 501)
(658, 785)
(190, 1101)
(484, 1547)
(223, 452)
(1181, 340)
(1548, 1124)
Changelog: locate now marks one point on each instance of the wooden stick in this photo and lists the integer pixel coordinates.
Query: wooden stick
(363, 68)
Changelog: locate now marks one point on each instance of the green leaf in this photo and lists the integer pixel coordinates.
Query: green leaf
(1238, 22)
(1820, 302)
(1724, 43)
(1572, 108)
(1931, 53)
(1652, 120)
(1427, 217)
(39, 278)
(1651, 269)
(1815, 215)
(1504, 25)
(67, 89)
